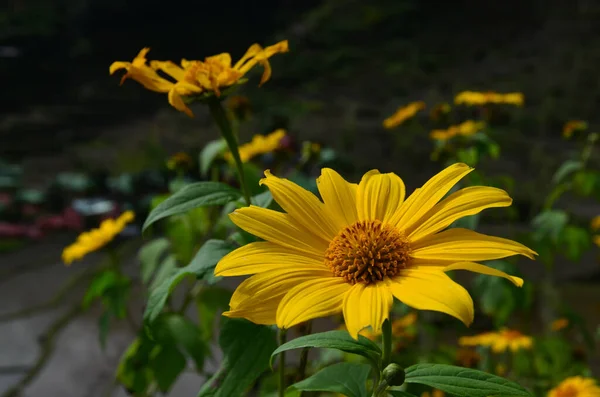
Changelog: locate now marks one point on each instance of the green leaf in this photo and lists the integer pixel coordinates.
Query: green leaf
(167, 269)
(345, 378)
(209, 301)
(199, 194)
(566, 169)
(103, 327)
(101, 284)
(176, 330)
(133, 371)
(549, 223)
(204, 262)
(166, 363)
(263, 199)
(339, 340)
(246, 349)
(209, 153)
(149, 256)
(575, 240)
(463, 382)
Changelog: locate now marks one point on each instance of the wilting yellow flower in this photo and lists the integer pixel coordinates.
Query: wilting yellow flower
(95, 239)
(559, 324)
(466, 357)
(361, 247)
(178, 160)
(576, 386)
(474, 98)
(434, 393)
(499, 341)
(260, 144)
(439, 110)
(402, 114)
(572, 126)
(195, 77)
(466, 128)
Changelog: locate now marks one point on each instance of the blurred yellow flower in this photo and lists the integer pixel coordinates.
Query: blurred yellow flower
(595, 225)
(500, 369)
(402, 114)
(180, 160)
(260, 144)
(439, 110)
(572, 126)
(466, 357)
(400, 328)
(95, 239)
(360, 247)
(559, 324)
(499, 341)
(474, 98)
(466, 128)
(576, 386)
(195, 77)
(434, 393)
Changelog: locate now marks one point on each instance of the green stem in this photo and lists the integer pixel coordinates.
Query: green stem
(282, 335)
(387, 343)
(220, 117)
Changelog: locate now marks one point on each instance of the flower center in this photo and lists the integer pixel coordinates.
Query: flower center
(368, 251)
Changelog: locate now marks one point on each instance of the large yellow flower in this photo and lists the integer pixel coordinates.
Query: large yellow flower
(360, 247)
(499, 341)
(95, 239)
(576, 386)
(195, 77)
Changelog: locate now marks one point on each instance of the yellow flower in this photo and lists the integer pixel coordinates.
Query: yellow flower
(400, 328)
(572, 126)
(178, 160)
(466, 357)
(466, 128)
(576, 386)
(473, 98)
(559, 324)
(434, 393)
(95, 239)
(500, 369)
(402, 114)
(499, 341)
(595, 225)
(439, 110)
(361, 247)
(195, 77)
(260, 144)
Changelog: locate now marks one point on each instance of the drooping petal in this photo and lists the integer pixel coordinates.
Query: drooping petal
(479, 268)
(170, 68)
(265, 256)
(278, 228)
(425, 289)
(339, 197)
(118, 65)
(465, 202)
(258, 297)
(459, 245)
(250, 53)
(302, 205)
(367, 305)
(424, 198)
(177, 102)
(379, 196)
(312, 299)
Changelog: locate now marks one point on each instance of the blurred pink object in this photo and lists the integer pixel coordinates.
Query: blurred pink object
(51, 222)
(30, 209)
(11, 230)
(5, 198)
(72, 219)
(34, 233)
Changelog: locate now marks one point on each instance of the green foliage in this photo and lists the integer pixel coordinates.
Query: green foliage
(348, 379)
(211, 151)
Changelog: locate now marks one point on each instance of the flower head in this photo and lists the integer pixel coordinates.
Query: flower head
(467, 357)
(95, 239)
(473, 98)
(260, 144)
(466, 128)
(499, 341)
(439, 110)
(195, 77)
(595, 225)
(402, 114)
(434, 393)
(573, 126)
(180, 160)
(560, 323)
(360, 247)
(576, 386)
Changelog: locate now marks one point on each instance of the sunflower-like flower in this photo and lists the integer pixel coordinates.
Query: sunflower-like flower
(360, 247)
(402, 114)
(466, 128)
(576, 386)
(499, 341)
(195, 77)
(573, 126)
(95, 239)
(474, 98)
(260, 144)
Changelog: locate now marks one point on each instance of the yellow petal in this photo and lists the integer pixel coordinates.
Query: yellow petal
(367, 305)
(339, 197)
(312, 299)
(303, 206)
(266, 72)
(465, 202)
(479, 268)
(424, 198)
(379, 196)
(466, 245)
(425, 289)
(169, 68)
(258, 297)
(176, 101)
(278, 228)
(223, 59)
(118, 65)
(250, 53)
(265, 256)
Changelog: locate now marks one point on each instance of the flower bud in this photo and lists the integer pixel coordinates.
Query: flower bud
(394, 375)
